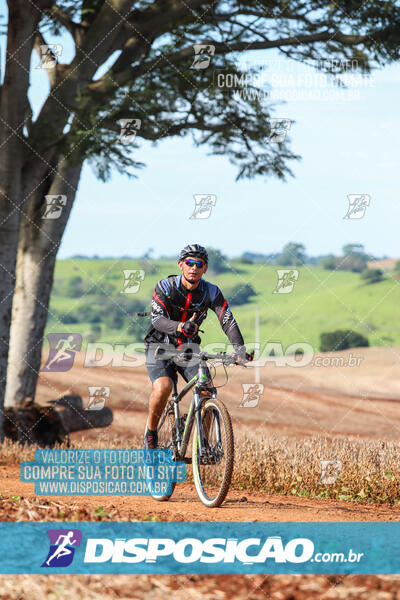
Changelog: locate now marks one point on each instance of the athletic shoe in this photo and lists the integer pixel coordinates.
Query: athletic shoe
(150, 440)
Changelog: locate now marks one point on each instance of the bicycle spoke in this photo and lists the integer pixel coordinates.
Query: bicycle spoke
(165, 430)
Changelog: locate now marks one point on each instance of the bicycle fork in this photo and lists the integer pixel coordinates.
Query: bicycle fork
(194, 412)
(187, 430)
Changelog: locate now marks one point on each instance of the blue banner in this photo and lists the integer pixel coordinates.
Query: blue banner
(103, 472)
(188, 548)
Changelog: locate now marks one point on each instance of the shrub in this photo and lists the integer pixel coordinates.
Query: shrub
(90, 312)
(75, 287)
(102, 288)
(240, 294)
(372, 275)
(69, 319)
(95, 319)
(245, 260)
(329, 263)
(58, 286)
(115, 319)
(341, 339)
(94, 334)
(356, 264)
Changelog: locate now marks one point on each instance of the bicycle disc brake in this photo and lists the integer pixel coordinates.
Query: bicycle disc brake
(211, 455)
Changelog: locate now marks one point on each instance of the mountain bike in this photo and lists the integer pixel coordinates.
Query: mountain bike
(212, 444)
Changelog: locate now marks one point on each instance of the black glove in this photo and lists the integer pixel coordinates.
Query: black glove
(240, 352)
(189, 328)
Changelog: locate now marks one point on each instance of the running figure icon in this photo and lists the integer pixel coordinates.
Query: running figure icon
(54, 207)
(64, 346)
(62, 549)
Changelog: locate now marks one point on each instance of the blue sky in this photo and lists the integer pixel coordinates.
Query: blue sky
(348, 146)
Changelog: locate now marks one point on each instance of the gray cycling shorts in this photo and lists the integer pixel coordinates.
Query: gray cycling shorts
(168, 368)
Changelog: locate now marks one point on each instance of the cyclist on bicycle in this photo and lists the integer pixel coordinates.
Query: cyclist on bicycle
(179, 306)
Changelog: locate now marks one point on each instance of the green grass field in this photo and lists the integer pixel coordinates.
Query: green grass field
(321, 301)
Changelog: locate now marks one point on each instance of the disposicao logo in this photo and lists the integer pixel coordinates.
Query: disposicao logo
(190, 550)
(62, 547)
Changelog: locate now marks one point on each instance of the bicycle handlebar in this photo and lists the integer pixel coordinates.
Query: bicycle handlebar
(222, 356)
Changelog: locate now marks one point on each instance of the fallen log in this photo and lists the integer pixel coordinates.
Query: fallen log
(50, 423)
(75, 418)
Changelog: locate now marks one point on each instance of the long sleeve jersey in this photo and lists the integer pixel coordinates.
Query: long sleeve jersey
(165, 315)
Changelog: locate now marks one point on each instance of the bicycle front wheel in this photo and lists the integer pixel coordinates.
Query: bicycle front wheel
(212, 470)
(166, 440)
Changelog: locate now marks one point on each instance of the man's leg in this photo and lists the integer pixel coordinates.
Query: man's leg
(162, 388)
(161, 373)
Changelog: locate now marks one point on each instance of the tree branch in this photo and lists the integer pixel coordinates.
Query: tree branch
(76, 29)
(132, 73)
(89, 56)
(164, 17)
(138, 31)
(153, 135)
(106, 27)
(40, 41)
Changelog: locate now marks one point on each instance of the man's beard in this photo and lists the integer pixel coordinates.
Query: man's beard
(189, 279)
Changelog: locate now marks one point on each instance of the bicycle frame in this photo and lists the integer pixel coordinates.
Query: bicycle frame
(211, 445)
(198, 382)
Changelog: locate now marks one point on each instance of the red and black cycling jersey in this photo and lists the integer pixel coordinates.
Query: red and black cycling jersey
(166, 314)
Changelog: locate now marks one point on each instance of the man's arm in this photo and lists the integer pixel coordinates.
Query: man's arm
(228, 323)
(160, 311)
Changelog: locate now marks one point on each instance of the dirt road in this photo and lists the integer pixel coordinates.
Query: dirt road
(185, 506)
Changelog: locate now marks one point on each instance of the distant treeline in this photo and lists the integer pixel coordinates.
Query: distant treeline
(353, 258)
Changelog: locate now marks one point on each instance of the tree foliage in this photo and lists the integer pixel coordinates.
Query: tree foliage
(293, 254)
(217, 262)
(151, 78)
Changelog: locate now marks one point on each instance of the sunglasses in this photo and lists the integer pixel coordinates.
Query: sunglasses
(190, 262)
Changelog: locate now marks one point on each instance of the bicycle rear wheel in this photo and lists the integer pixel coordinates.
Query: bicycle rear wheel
(166, 440)
(212, 472)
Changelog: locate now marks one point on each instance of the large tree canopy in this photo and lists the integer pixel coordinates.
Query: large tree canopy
(134, 60)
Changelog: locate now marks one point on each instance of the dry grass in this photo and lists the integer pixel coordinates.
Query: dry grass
(370, 469)
(12, 453)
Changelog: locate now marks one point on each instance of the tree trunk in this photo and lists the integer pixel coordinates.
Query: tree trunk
(39, 240)
(9, 239)
(13, 112)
